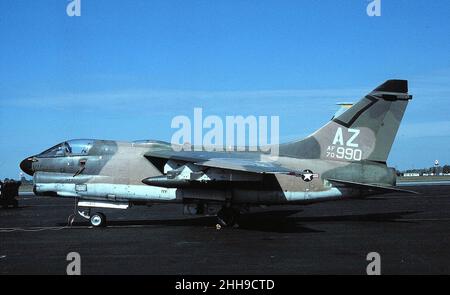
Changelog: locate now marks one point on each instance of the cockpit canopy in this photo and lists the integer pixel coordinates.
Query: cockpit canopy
(68, 148)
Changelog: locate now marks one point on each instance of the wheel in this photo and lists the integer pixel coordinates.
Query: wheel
(15, 204)
(98, 219)
(227, 216)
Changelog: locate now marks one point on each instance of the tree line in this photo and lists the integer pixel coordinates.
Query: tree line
(435, 170)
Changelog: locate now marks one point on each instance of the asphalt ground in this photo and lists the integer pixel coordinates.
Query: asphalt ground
(410, 232)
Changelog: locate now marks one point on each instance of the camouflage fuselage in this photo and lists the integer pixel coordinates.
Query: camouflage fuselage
(114, 171)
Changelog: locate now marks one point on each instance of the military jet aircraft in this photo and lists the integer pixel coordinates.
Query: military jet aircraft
(346, 158)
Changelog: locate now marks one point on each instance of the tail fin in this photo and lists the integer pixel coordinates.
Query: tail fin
(366, 131)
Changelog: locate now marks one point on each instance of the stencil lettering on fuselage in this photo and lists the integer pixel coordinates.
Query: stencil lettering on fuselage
(345, 145)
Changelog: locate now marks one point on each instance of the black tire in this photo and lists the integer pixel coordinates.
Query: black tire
(15, 204)
(98, 219)
(227, 217)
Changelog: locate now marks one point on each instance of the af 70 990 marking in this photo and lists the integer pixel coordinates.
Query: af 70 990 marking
(345, 149)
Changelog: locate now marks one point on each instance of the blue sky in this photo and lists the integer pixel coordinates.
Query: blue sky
(124, 69)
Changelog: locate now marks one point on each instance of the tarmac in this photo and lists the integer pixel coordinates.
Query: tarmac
(410, 232)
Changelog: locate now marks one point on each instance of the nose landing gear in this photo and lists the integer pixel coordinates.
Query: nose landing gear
(97, 219)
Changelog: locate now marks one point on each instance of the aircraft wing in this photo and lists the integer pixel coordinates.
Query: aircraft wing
(244, 165)
(371, 187)
(238, 162)
(252, 164)
(185, 156)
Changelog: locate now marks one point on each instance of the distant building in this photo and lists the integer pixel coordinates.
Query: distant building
(410, 174)
(429, 174)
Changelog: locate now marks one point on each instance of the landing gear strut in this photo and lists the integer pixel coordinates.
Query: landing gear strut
(228, 216)
(97, 219)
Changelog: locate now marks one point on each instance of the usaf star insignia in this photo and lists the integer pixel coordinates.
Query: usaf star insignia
(307, 175)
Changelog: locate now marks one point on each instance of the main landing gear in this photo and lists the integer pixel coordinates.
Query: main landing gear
(228, 216)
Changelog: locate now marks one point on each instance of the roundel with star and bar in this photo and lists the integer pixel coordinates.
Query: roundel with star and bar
(307, 175)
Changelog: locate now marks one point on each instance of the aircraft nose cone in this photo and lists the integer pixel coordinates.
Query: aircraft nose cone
(27, 165)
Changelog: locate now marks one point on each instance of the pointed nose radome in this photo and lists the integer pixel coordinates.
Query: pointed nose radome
(27, 165)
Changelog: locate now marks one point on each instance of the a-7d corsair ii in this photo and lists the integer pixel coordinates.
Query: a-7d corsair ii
(346, 158)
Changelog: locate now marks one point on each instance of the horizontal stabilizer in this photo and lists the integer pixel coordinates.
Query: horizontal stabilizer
(372, 187)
